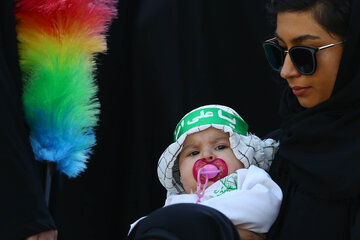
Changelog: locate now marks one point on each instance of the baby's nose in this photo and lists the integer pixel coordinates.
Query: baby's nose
(209, 157)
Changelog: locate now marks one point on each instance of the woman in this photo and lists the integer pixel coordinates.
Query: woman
(318, 160)
(317, 165)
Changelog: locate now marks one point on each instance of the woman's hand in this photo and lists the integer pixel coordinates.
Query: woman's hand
(48, 235)
(248, 235)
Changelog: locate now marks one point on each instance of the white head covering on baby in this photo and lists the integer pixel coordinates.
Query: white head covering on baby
(248, 148)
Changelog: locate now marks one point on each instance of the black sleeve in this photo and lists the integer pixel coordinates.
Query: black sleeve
(22, 207)
(185, 221)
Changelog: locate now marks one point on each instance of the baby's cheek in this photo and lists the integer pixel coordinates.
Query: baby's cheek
(189, 187)
(186, 172)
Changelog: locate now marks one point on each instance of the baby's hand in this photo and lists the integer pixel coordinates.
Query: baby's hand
(48, 235)
(248, 235)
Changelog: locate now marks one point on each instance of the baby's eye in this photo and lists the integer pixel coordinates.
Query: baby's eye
(194, 153)
(220, 147)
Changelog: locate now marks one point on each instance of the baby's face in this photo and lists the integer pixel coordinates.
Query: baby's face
(208, 144)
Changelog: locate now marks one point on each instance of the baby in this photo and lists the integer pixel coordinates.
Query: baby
(214, 161)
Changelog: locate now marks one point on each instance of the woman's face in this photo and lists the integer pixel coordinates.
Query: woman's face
(300, 28)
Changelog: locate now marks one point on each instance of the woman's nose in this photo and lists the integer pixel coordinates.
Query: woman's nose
(288, 70)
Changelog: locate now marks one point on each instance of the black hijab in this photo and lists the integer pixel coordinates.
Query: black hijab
(320, 146)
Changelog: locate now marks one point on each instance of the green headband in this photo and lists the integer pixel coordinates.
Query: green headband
(206, 116)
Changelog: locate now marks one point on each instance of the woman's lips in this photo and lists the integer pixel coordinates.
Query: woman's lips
(298, 91)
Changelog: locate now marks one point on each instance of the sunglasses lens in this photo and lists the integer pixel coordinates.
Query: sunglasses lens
(274, 56)
(303, 59)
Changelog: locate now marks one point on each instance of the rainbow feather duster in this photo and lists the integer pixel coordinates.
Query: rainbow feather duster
(58, 42)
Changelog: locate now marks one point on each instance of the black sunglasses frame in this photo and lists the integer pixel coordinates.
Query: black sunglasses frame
(270, 43)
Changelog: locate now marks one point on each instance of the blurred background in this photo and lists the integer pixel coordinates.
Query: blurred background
(165, 57)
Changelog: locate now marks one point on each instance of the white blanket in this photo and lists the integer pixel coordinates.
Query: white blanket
(248, 197)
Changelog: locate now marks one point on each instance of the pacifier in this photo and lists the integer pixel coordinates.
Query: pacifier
(204, 171)
(214, 170)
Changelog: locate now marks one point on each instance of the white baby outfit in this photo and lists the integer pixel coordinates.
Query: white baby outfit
(248, 197)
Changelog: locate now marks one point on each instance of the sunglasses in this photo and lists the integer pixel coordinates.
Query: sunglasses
(303, 57)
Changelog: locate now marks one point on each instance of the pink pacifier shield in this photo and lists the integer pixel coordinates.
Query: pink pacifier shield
(209, 168)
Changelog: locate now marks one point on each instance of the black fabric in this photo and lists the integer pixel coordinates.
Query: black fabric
(318, 163)
(22, 207)
(185, 221)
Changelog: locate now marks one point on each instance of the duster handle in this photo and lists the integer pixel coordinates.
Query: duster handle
(49, 169)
